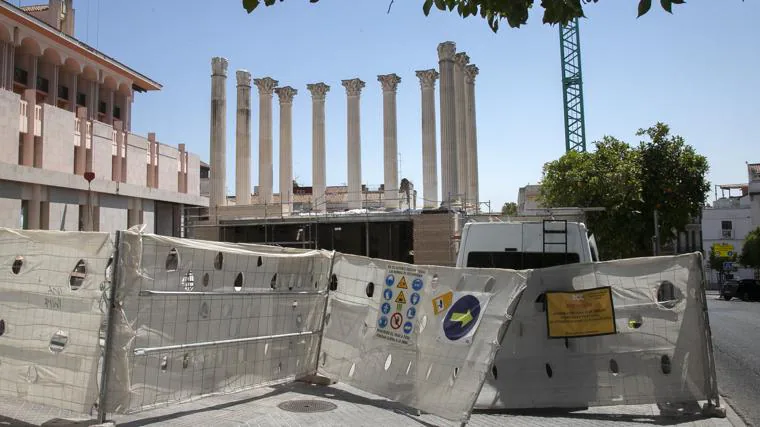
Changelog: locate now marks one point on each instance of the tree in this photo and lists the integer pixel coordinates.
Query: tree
(630, 183)
(509, 209)
(750, 256)
(514, 11)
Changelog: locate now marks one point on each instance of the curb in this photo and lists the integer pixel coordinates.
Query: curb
(731, 415)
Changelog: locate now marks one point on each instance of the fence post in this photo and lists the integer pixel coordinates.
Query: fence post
(108, 342)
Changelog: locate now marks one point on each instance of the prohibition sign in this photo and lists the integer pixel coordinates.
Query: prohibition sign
(396, 320)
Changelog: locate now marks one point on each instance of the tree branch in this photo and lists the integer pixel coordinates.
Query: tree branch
(389, 7)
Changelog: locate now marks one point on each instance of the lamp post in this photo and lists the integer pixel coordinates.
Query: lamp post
(89, 176)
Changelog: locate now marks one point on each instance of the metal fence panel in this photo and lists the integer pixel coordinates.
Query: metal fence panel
(430, 348)
(661, 352)
(50, 313)
(196, 318)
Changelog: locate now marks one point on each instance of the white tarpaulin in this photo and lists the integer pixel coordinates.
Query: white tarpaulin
(50, 313)
(196, 318)
(660, 353)
(420, 335)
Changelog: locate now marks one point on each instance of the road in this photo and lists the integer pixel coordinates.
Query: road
(736, 342)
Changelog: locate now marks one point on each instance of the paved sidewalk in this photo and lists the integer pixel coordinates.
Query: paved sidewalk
(353, 408)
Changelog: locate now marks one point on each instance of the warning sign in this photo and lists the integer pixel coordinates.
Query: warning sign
(401, 299)
(585, 313)
(442, 302)
(397, 294)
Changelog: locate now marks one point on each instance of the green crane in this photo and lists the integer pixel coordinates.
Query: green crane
(572, 87)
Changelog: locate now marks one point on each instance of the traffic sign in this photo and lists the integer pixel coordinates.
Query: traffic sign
(388, 294)
(411, 313)
(408, 328)
(417, 284)
(396, 320)
(382, 322)
(402, 283)
(415, 298)
(389, 280)
(386, 308)
(401, 298)
(461, 317)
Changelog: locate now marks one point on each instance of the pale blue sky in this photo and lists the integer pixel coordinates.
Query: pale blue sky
(696, 70)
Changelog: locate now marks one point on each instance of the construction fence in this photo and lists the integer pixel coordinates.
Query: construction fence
(130, 322)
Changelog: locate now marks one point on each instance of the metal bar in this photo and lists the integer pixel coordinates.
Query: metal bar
(108, 342)
(144, 351)
(262, 292)
(324, 312)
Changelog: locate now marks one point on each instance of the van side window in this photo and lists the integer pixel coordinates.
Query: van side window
(520, 260)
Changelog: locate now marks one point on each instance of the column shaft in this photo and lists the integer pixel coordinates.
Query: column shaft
(390, 83)
(286, 95)
(449, 175)
(460, 61)
(472, 136)
(52, 97)
(27, 146)
(218, 132)
(266, 86)
(353, 131)
(318, 160)
(243, 139)
(429, 155)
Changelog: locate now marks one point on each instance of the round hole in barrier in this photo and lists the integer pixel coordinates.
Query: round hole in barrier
(2, 327)
(370, 290)
(324, 358)
(423, 323)
(299, 319)
(259, 262)
(434, 281)
(218, 261)
(185, 360)
(31, 375)
(494, 372)
(327, 319)
(17, 264)
(614, 367)
(238, 286)
(76, 278)
(206, 280)
(273, 282)
(172, 260)
(352, 370)
(667, 295)
(109, 269)
(102, 334)
(164, 362)
(334, 283)
(266, 349)
(204, 310)
(490, 283)
(549, 371)
(665, 364)
(188, 281)
(635, 321)
(58, 341)
(388, 361)
(540, 303)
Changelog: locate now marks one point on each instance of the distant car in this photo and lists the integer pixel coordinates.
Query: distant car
(745, 289)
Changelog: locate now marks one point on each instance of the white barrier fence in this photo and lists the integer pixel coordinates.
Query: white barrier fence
(661, 352)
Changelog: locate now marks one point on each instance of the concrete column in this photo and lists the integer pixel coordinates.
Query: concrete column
(318, 159)
(27, 145)
(460, 62)
(3, 63)
(243, 139)
(152, 180)
(218, 132)
(80, 154)
(266, 87)
(34, 205)
(473, 189)
(118, 126)
(449, 175)
(127, 111)
(73, 89)
(353, 92)
(389, 83)
(108, 95)
(429, 155)
(52, 96)
(286, 94)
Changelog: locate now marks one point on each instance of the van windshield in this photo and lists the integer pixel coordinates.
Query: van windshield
(520, 260)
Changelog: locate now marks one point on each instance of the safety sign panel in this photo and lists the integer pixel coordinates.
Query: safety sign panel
(463, 316)
(585, 313)
(442, 302)
(404, 286)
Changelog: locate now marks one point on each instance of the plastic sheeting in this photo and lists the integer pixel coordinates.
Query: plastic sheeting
(661, 353)
(434, 358)
(195, 318)
(50, 313)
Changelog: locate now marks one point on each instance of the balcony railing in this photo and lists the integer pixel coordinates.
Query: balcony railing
(77, 134)
(38, 120)
(23, 120)
(88, 135)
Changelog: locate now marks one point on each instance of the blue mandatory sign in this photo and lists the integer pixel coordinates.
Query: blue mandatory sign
(409, 313)
(386, 308)
(461, 317)
(388, 294)
(415, 298)
(382, 322)
(417, 284)
(408, 328)
(390, 280)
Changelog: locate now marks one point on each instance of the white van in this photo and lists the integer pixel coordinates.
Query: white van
(525, 245)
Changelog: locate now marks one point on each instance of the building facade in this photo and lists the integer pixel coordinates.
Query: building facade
(68, 158)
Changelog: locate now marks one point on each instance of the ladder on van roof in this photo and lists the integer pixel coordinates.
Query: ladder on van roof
(554, 231)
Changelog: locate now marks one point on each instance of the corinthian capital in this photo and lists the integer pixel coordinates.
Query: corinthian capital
(219, 66)
(446, 51)
(461, 59)
(427, 78)
(389, 82)
(318, 90)
(353, 86)
(266, 85)
(470, 72)
(286, 94)
(243, 78)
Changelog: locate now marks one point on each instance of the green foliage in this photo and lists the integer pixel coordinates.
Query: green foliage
(514, 11)
(509, 209)
(630, 183)
(750, 256)
(716, 262)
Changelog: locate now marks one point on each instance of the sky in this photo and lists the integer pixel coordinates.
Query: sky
(696, 70)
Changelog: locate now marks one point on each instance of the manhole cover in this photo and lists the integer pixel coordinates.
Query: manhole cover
(306, 406)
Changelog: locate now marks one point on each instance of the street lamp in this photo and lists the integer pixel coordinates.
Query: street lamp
(89, 176)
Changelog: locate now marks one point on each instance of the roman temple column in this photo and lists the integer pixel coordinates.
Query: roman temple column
(449, 176)
(471, 71)
(286, 94)
(266, 87)
(218, 132)
(318, 160)
(243, 139)
(353, 92)
(460, 62)
(429, 156)
(389, 83)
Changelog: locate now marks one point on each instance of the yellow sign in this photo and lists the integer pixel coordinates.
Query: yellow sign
(584, 313)
(442, 302)
(401, 299)
(402, 283)
(723, 250)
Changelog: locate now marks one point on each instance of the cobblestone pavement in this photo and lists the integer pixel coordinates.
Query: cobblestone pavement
(353, 408)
